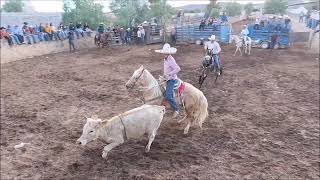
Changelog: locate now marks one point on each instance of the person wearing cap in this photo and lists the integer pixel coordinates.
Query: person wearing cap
(170, 71)
(213, 49)
(244, 32)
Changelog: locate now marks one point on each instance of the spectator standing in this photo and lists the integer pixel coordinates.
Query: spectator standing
(202, 25)
(71, 40)
(223, 18)
(72, 27)
(6, 35)
(274, 40)
(79, 30)
(87, 29)
(123, 35)
(128, 36)
(210, 21)
(173, 36)
(61, 31)
(139, 35)
(215, 24)
(301, 15)
(143, 34)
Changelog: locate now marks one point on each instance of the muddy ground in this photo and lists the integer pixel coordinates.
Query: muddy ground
(263, 117)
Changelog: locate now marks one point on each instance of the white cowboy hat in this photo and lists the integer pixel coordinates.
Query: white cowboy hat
(213, 37)
(145, 22)
(166, 49)
(280, 17)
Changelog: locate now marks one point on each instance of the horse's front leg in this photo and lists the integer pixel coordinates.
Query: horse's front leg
(183, 119)
(240, 51)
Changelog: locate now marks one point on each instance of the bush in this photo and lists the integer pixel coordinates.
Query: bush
(233, 9)
(84, 11)
(13, 6)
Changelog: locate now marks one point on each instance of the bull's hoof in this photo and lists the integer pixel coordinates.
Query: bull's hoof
(104, 155)
(147, 149)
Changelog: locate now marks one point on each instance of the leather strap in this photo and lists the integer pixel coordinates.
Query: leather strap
(124, 132)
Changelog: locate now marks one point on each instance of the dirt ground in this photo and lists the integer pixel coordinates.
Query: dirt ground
(263, 117)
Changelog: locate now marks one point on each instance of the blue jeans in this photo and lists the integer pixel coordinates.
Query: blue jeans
(216, 62)
(41, 36)
(169, 94)
(15, 39)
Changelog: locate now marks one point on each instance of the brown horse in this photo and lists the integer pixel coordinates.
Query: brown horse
(104, 40)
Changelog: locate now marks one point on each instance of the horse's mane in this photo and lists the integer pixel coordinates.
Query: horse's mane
(153, 84)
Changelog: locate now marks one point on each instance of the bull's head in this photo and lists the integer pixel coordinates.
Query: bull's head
(90, 129)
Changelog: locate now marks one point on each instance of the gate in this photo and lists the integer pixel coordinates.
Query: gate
(193, 33)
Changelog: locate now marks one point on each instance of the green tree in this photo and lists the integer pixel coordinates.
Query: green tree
(248, 8)
(215, 12)
(128, 11)
(233, 9)
(275, 6)
(13, 6)
(84, 11)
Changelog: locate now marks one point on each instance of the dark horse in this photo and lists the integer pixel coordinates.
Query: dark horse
(104, 40)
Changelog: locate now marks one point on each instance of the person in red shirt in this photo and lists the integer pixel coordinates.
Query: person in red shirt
(4, 34)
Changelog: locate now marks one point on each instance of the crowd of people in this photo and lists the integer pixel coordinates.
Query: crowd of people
(213, 22)
(29, 34)
(126, 35)
(273, 23)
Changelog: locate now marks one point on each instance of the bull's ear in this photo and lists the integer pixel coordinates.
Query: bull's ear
(141, 67)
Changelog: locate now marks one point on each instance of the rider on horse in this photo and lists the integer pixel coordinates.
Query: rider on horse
(213, 49)
(244, 33)
(171, 69)
(100, 30)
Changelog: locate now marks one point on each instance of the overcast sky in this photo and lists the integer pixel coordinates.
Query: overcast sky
(56, 5)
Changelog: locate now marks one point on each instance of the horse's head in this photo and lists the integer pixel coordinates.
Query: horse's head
(135, 78)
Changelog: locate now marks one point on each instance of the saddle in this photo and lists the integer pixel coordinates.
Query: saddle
(178, 88)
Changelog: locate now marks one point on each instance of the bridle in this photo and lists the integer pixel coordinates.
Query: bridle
(136, 80)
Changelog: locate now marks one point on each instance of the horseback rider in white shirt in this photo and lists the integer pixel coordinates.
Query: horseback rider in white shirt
(213, 49)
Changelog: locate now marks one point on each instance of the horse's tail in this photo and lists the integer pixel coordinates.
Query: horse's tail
(201, 110)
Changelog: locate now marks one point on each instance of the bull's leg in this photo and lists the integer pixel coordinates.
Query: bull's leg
(151, 138)
(108, 148)
(186, 129)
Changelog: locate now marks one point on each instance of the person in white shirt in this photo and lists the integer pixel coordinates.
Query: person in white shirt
(139, 35)
(213, 49)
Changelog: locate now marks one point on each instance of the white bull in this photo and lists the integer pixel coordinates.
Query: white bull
(132, 124)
